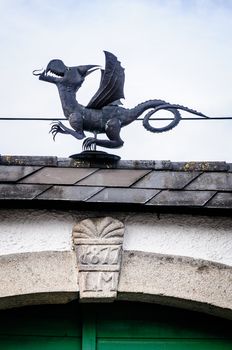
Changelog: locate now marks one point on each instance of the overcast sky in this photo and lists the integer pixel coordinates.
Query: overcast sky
(176, 50)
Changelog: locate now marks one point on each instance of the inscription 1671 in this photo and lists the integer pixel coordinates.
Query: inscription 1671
(102, 255)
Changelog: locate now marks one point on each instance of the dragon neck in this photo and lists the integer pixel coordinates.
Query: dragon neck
(68, 100)
(136, 112)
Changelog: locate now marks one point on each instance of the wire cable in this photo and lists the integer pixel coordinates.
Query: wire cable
(139, 119)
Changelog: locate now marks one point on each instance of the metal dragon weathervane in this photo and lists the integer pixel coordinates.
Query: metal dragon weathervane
(103, 114)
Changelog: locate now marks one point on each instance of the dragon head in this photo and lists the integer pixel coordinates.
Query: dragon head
(59, 74)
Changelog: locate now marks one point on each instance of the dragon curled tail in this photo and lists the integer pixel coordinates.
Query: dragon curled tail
(154, 106)
(174, 109)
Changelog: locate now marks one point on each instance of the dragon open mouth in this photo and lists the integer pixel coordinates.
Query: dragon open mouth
(48, 72)
(53, 73)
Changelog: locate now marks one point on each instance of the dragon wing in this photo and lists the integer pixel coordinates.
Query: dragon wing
(111, 84)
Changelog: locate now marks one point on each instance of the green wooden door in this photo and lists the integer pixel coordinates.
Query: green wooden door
(118, 326)
(150, 327)
(41, 328)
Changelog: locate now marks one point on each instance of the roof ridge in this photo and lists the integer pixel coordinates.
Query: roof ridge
(53, 161)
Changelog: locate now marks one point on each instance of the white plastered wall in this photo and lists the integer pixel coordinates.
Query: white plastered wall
(198, 237)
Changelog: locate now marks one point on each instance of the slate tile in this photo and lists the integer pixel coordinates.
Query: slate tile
(221, 200)
(113, 177)
(71, 193)
(123, 195)
(166, 180)
(212, 181)
(20, 191)
(185, 198)
(11, 173)
(55, 176)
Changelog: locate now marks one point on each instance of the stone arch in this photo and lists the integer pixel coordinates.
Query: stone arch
(179, 281)
(52, 277)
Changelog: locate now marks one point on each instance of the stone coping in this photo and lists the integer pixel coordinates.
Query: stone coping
(121, 164)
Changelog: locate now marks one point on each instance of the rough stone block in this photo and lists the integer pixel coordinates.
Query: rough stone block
(70, 193)
(21, 191)
(221, 200)
(54, 176)
(186, 198)
(114, 178)
(212, 181)
(166, 180)
(124, 195)
(13, 173)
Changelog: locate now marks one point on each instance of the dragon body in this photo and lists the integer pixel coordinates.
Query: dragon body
(103, 114)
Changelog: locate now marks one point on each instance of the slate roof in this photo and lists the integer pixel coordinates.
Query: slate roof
(147, 185)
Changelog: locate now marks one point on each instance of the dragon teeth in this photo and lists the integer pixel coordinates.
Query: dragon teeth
(53, 74)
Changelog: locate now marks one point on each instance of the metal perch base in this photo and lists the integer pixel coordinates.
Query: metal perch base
(96, 156)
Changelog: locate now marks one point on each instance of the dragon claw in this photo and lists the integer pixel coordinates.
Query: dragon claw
(89, 144)
(56, 128)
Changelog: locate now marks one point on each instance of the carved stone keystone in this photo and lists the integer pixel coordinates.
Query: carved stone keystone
(98, 245)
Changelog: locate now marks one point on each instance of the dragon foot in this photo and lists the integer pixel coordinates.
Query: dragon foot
(56, 128)
(89, 144)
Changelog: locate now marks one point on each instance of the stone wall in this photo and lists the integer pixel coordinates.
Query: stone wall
(199, 237)
(179, 260)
